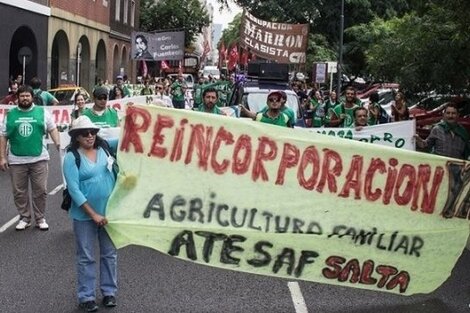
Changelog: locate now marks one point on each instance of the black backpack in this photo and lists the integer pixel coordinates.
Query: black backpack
(66, 198)
(37, 99)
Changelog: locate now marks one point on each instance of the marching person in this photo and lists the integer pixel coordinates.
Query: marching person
(342, 114)
(100, 114)
(209, 100)
(275, 111)
(24, 128)
(447, 138)
(78, 105)
(177, 91)
(360, 118)
(90, 186)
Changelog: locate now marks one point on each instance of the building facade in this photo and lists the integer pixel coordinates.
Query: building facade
(66, 42)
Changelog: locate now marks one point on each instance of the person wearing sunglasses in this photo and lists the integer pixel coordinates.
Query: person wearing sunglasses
(274, 113)
(160, 95)
(90, 183)
(100, 114)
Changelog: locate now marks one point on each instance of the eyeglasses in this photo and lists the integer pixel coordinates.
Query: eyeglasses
(102, 97)
(87, 132)
(159, 88)
(274, 99)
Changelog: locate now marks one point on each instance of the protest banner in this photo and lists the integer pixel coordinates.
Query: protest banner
(247, 196)
(284, 43)
(397, 134)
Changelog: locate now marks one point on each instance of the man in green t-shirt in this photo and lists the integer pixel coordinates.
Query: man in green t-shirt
(274, 114)
(22, 134)
(177, 91)
(209, 101)
(100, 114)
(42, 97)
(342, 115)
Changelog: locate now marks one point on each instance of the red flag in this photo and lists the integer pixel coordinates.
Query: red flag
(233, 58)
(164, 65)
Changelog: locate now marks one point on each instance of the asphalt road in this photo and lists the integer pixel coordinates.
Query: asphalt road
(37, 274)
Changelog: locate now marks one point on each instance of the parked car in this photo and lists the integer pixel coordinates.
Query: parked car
(386, 99)
(66, 94)
(210, 70)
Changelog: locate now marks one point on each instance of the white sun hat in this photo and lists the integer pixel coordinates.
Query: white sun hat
(82, 122)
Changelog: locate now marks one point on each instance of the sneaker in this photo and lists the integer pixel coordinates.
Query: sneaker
(22, 225)
(89, 306)
(42, 225)
(109, 301)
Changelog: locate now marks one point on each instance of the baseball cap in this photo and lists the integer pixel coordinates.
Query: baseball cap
(276, 92)
(100, 91)
(119, 77)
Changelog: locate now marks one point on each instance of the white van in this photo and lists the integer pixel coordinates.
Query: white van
(211, 70)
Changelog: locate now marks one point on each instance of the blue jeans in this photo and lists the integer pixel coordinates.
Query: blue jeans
(86, 233)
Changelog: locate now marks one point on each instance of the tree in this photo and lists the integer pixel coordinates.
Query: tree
(187, 15)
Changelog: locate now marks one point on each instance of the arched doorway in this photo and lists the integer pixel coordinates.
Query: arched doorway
(60, 55)
(83, 65)
(23, 54)
(100, 62)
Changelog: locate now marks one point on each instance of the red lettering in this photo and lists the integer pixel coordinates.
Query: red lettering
(334, 262)
(132, 129)
(310, 156)
(353, 178)
(391, 178)
(328, 173)
(386, 271)
(366, 275)
(158, 138)
(116, 106)
(267, 151)
(177, 149)
(65, 117)
(55, 114)
(221, 136)
(406, 171)
(402, 279)
(376, 164)
(429, 198)
(351, 267)
(202, 144)
(290, 158)
(240, 165)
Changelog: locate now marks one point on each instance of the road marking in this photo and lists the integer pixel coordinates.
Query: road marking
(297, 298)
(56, 190)
(9, 223)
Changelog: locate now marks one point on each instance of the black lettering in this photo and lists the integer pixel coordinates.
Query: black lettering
(265, 257)
(416, 245)
(209, 243)
(314, 228)
(279, 228)
(195, 208)
(177, 201)
(221, 207)
(229, 247)
(297, 226)
(306, 257)
(252, 218)
(287, 257)
(155, 204)
(184, 238)
(234, 220)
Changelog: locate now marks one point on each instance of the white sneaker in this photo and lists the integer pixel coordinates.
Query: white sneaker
(42, 225)
(22, 225)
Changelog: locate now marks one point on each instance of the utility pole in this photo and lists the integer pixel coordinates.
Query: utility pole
(340, 52)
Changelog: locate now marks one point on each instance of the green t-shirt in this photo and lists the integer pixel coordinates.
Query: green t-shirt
(349, 119)
(177, 90)
(281, 120)
(287, 111)
(25, 131)
(215, 110)
(108, 119)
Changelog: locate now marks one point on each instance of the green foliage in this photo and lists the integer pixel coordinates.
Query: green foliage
(187, 15)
